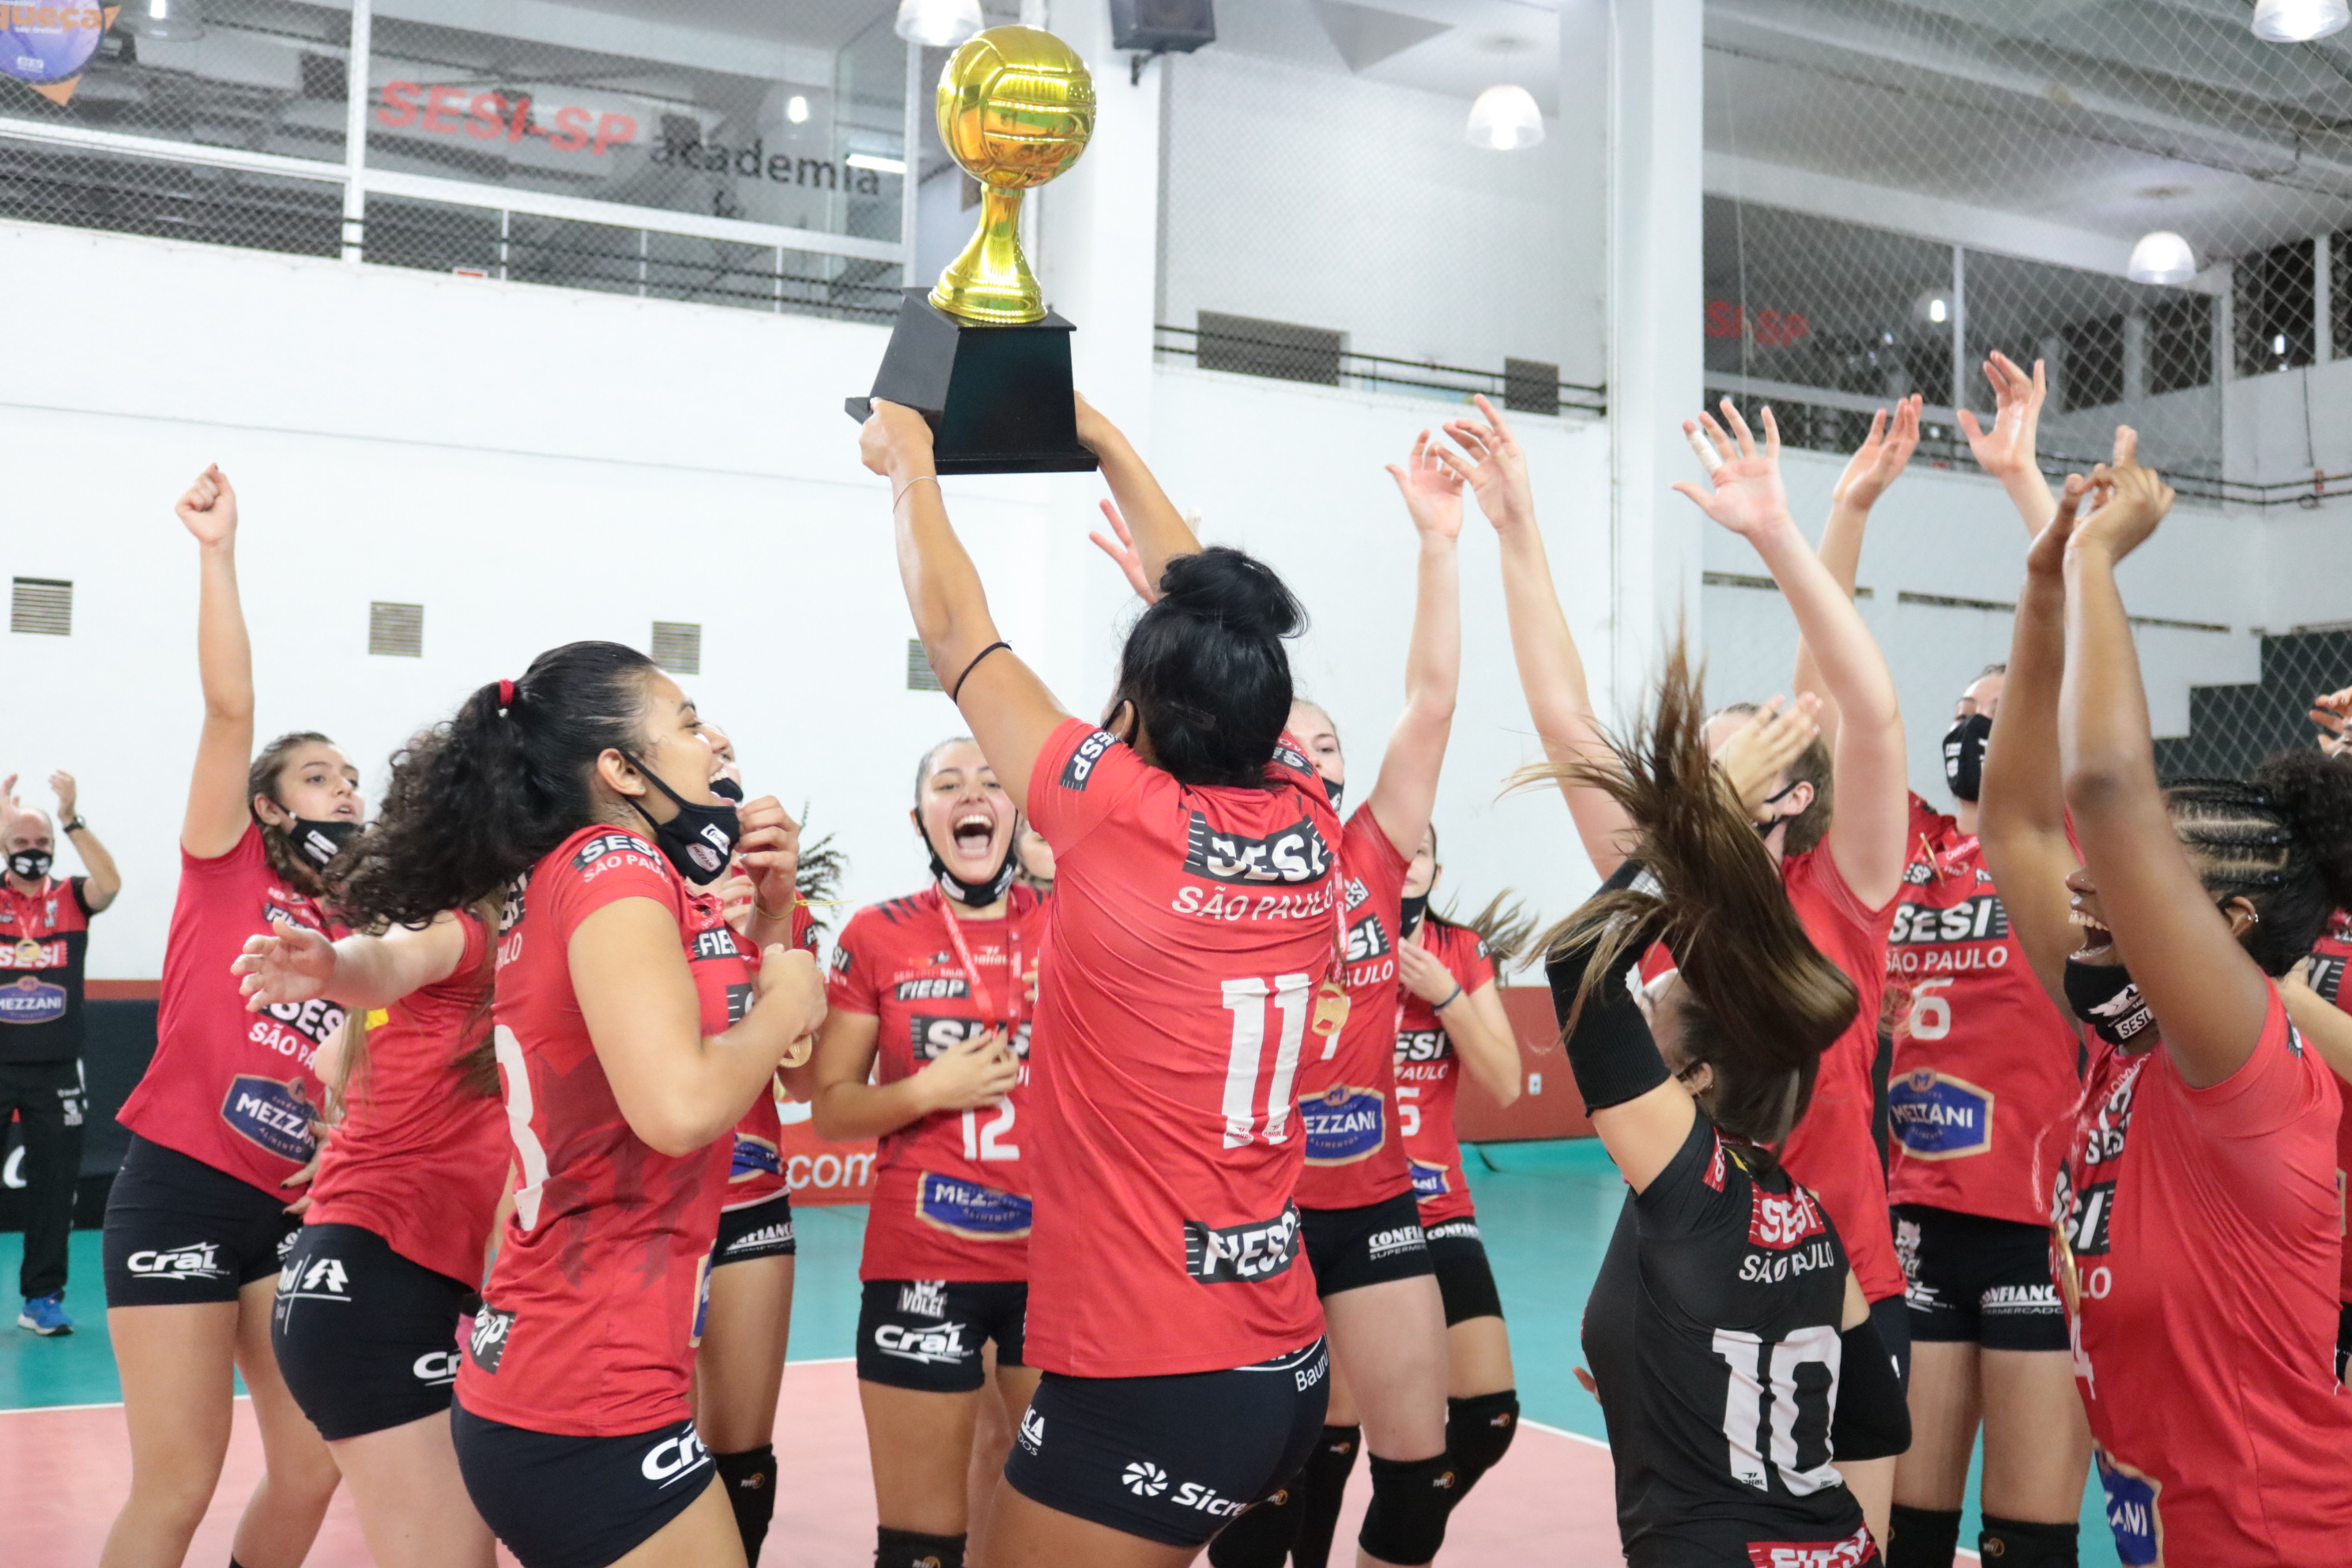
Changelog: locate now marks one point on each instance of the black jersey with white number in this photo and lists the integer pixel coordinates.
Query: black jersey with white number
(1713, 1335)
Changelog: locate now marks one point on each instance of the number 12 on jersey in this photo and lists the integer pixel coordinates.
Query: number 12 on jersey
(1249, 1001)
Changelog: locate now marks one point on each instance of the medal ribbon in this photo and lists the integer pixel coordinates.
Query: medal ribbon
(981, 995)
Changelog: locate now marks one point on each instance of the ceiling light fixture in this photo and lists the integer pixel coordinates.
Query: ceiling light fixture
(2162, 256)
(2299, 21)
(938, 23)
(1505, 118)
(165, 21)
(796, 109)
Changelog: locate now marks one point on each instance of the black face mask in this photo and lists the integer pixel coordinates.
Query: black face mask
(975, 895)
(320, 842)
(727, 789)
(1764, 828)
(30, 864)
(1411, 911)
(1335, 791)
(1964, 750)
(2104, 996)
(699, 840)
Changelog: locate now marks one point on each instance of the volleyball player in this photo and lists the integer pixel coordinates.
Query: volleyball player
(2321, 982)
(1984, 1071)
(392, 1247)
(1198, 945)
(623, 1077)
(936, 985)
(1736, 1360)
(1841, 869)
(221, 1124)
(2198, 1229)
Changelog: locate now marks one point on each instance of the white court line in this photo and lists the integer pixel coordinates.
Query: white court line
(1600, 1443)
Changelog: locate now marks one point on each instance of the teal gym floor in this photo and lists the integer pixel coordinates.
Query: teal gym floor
(1547, 1210)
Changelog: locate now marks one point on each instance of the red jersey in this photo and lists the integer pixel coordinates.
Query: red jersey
(1429, 1075)
(756, 1171)
(1832, 1149)
(1347, 1084)
(2203, 1228)
(44, 941)
(587, 1321)
(2330, 954)
(1984, 1064)
(1187, 933)
(417, 1159)
(952, 1191)
(230, 1088)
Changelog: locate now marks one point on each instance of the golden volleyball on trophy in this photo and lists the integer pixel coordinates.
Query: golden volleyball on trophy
(1015, 108)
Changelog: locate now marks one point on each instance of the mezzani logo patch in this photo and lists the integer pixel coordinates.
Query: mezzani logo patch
(967, 1209)
(1937, 1117)
(754, 1158)
(1080, 768)
(924, 1297)
(1979, 918)
(1344, 1124)
(487, 1345)
(275, 1115)
(31, 1001)
(2132, 1510)
(1242, 1253)
(1294, 856)
(200, 1260)
(672, 1458)
(1428, 1181)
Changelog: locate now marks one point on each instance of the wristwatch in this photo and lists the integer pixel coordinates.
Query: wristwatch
(76, 825)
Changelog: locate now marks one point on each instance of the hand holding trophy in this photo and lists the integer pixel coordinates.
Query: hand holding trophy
(979, 356)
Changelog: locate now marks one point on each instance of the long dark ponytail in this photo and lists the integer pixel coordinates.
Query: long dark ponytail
(1759, 1004)
(476, 802)
(1205, 670)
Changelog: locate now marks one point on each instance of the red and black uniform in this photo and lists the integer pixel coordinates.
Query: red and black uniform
(2201, 1255)
(1429, 1078)
(756, 1220)
(390, 1255)
(1356, 1194)
(946, 1266)
(43, 943)
(223, 1113)
(2329, 957)
(1985, 1080)
(1188, 931)
(572, 1422)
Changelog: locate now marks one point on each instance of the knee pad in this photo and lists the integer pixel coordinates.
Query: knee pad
(1410, 1497)
(750, 1477)
(1919, 1537)
(912, 1549)
(1261, 1538)
(1320, 1488)
(1478, 1432)
(2014, 1543)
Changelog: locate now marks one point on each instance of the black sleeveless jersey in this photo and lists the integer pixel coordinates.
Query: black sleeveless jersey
(1713, 1336)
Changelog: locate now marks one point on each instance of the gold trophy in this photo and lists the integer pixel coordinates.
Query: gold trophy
(978, 354)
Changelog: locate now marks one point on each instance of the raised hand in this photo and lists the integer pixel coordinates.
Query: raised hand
(208, 510)
(1882, 459)
(2131, 501)
(2332, 712)
(293, 965)
(971, 1074)
(9, 805)
(1430, 482)
(1745, 494)
(769, 853)
(1756, 753)
(2008, 448)
(1122, 551)
(1498, 469)
(790, 979)
(61, 784)
(1424, 973)
(893, 438)
(2047, 558)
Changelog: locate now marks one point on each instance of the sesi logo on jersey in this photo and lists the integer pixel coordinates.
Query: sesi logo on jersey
(1368, 939)
(1781, 1220)
(1242, 1253)
(1423, 1046)
(1979, 918)
(1294, 856)
(1080, 768)
(1851, 1553)
(487, 1345)
(606, 850)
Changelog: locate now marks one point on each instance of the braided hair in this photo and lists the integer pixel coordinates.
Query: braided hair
(2282, 840)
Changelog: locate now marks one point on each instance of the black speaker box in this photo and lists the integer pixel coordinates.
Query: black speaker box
(1159, 26)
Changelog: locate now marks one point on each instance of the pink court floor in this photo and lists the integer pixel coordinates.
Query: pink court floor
(64, 1471)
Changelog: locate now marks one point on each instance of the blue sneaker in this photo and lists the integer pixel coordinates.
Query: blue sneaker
(45, 1315)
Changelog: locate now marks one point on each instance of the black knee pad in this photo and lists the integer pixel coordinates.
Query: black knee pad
(749, 1479)
(1320, 1488)
(1922, 1537)
(1478, 1432)
(1263, 1537)
(912, 1549)
(2014, 1543)
(1411, 1499)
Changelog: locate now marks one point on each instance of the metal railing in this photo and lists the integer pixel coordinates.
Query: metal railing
(1284, 360)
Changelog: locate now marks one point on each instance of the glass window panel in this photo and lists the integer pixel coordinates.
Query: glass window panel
(43, 183)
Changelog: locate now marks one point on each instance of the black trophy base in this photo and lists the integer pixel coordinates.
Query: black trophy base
(997, 399)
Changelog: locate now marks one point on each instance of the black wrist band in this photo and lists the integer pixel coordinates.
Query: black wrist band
(76, 825)
(1442, 1006)
(956, 692)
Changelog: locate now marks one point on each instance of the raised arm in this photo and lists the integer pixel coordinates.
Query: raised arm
(218, 812)
(2208, 996)
(1160, 531)
(2021, 808)
(105, 880)
(1011, 712)
(1552, 672)
(294, 964)
(2007, 450)
(1406, 791)
(1879, 462)
(1868, 829)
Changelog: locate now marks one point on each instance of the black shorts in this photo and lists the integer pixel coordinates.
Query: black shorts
(178, 1231)
(1171, 1459)
(1976, 1281)
(1464, 1277)
(925, 1334)
(367, 1340)
(763, 1229)
(577, 1503)
(1351, 1248)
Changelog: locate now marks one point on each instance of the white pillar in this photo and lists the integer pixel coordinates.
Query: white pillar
(1656, 60)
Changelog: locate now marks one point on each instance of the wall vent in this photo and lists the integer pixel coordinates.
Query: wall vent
(397, 631)
(1530, 386)
(1250, 346)
(920, 676)
(678, 647)
(42, 604)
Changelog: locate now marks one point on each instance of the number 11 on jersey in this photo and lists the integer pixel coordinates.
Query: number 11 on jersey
(1248, 1001)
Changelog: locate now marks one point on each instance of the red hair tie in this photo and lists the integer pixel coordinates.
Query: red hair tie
(506, 695)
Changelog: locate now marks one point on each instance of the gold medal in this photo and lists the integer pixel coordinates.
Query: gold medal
(28, 953)
(1331, 1010)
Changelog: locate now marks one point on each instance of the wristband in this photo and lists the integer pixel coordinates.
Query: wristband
(910, 484)
(1442, 1006)
(76, 825)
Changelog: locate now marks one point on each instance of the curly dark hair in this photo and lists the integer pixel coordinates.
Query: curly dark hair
(2282, 840)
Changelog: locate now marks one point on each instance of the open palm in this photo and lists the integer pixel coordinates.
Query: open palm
(1745, 494)
(1430, 482)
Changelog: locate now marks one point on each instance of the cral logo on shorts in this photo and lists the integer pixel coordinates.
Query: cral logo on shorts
(672, 1458)
(941, 1346)
(199, 1261)
(488, 1343)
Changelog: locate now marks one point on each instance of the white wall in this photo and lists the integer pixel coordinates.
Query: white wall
(2281, 427)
